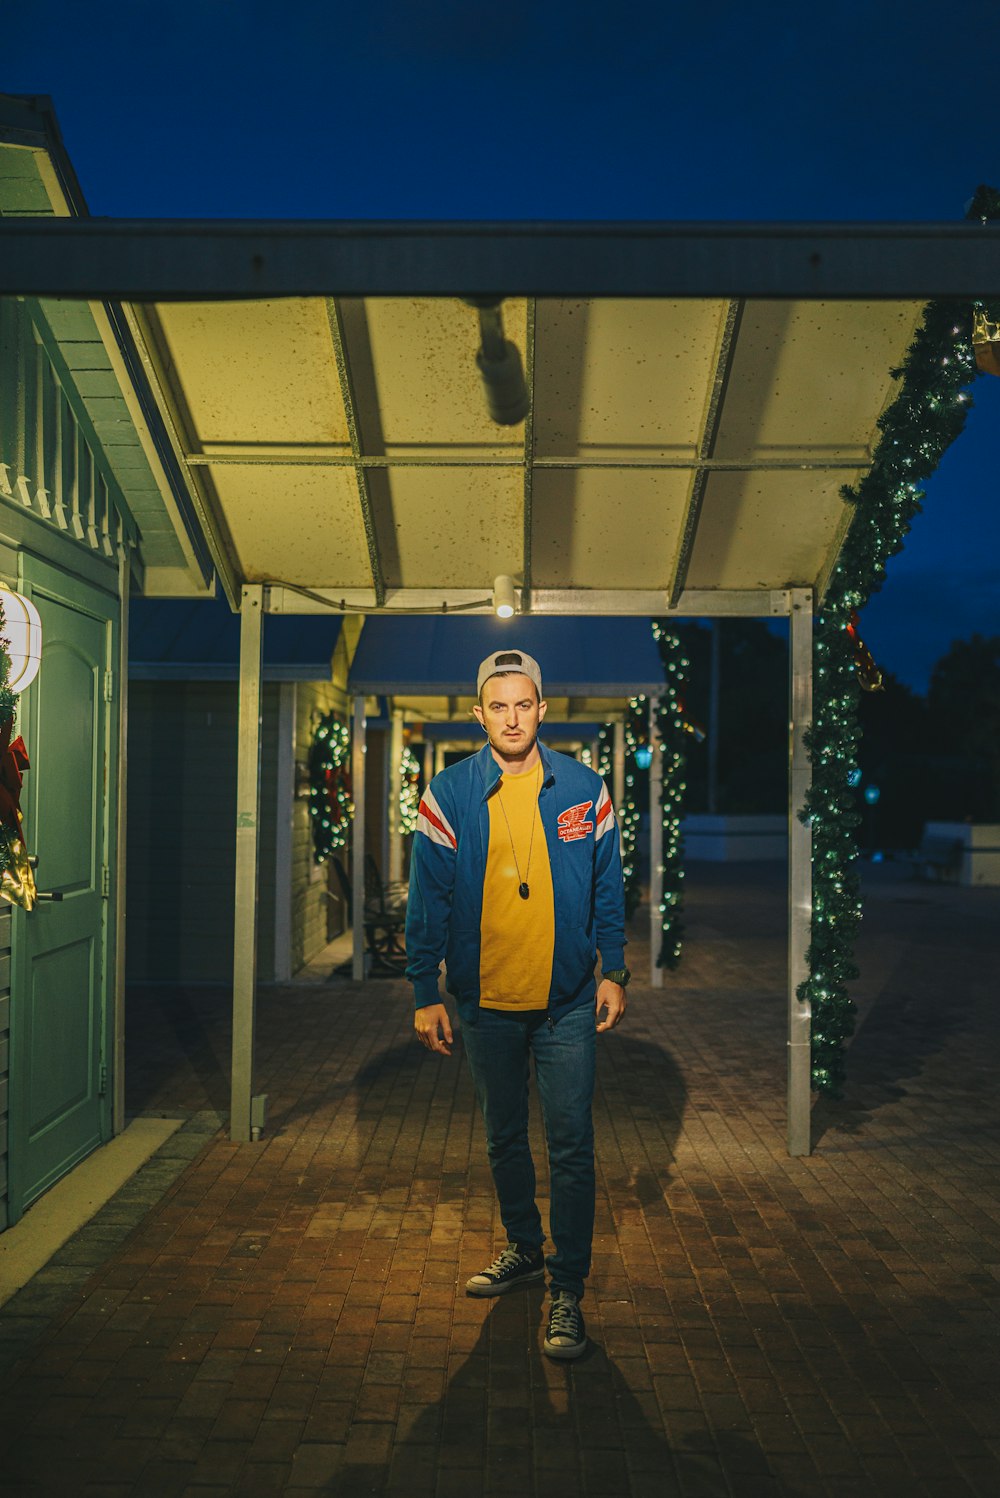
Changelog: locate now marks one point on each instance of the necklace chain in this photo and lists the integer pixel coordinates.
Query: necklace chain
(522, 884)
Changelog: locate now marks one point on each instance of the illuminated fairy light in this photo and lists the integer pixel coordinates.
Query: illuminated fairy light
(673, 729)
(409, 791)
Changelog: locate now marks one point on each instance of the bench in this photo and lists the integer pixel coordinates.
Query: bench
(938, 858)
(383, 917)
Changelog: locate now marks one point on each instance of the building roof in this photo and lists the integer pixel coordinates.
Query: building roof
(193, 639)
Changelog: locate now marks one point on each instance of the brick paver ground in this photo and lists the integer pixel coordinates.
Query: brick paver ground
(288, 1317)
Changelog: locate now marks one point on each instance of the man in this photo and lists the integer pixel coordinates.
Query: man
(515, 881)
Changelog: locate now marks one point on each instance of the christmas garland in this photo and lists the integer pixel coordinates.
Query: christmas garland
(330, 802)
(628, 816)
(628, 812)
(673, 732)
(921, 423)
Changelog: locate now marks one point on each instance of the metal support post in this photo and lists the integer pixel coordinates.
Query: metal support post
(428, 762)
(618, 770)
(713, 720)
(118, 1053)
(247, 839)
(438, 758)
(799, 871)
(395, 785)
(284, 811)
(655, 846)
(358, 846)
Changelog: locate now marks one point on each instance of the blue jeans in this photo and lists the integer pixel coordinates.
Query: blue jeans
(499, 1048)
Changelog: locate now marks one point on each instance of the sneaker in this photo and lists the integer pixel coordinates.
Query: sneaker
(508, 1269)
(566, 1336)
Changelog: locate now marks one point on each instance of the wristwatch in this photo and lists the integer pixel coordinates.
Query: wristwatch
(619, 975)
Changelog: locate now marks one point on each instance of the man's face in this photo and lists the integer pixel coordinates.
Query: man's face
(510, 712)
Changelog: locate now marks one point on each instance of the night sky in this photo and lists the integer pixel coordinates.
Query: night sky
(453, 109)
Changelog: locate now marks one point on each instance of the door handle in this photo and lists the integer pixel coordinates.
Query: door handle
(46, 894)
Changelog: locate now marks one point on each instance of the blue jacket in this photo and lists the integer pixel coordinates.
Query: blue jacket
(448, 866)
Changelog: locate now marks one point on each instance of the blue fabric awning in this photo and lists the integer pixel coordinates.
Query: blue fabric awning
(439, 657)
(194, 639)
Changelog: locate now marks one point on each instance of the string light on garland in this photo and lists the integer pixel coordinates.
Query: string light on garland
(409, 791)
(331, 806)
(628, 812)
(586, 756)
(926, 416)
(605, 752)
(673, 733)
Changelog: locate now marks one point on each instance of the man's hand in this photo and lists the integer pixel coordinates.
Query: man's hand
(433, 1028)
(612, 998)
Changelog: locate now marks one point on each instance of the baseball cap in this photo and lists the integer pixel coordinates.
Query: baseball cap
(510, 660)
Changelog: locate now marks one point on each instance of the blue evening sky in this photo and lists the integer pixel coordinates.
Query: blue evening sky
(864, 110)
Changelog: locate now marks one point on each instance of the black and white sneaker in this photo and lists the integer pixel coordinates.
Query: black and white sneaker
(508, 1269)
(566, 1336)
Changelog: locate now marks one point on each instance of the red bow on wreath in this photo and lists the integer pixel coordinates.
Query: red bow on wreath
(13, 763)
(17, 883)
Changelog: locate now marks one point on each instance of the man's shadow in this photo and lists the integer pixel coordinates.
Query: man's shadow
(512, 1419)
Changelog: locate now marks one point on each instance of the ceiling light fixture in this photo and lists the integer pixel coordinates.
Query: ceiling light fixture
(504, 600)
(499, 363)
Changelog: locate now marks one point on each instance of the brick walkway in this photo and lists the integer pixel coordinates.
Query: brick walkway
(287, 1317)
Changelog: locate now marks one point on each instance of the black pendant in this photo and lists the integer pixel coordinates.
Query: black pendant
(523, 891)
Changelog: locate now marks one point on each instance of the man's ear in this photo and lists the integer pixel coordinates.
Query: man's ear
(478, 715)
(542, 707)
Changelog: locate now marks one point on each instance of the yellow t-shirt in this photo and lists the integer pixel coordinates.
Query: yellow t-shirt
(517, 935)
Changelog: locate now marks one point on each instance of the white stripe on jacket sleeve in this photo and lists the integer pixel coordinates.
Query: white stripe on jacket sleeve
(433, 823)
(604, 814)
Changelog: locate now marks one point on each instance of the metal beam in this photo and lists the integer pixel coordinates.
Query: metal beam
(358, 844)
(529, 456)
(361, 478)
(799, 872)
(694, 603)
(655, 846)
(713, 418)
(247, 848)
(185, 260)
(273, 455)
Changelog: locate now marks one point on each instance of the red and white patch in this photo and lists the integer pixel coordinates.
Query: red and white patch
(572, 824)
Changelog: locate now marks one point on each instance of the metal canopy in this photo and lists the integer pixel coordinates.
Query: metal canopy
(679, 455)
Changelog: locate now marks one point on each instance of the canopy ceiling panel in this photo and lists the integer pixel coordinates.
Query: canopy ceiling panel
(254, 375)
(586, 525)
(449, 524)
(618, 377)
(429, 400)
(808, 377)
(681, 455)
(757, 530)
(279, 520)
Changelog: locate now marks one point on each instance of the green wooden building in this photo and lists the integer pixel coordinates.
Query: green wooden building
(92, 507)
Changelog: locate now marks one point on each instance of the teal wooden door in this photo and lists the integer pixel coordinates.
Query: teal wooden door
(61, 973)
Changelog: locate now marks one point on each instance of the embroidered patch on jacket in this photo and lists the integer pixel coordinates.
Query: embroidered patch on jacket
(572, 823)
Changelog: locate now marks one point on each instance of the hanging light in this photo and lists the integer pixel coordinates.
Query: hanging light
(23, 632)
(503, 597)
